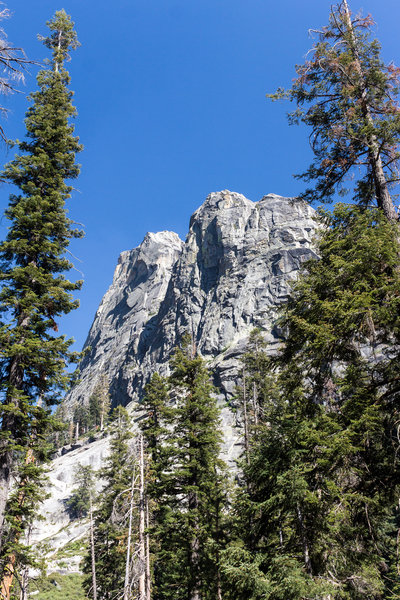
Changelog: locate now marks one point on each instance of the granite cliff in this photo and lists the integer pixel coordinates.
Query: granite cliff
(231, 275)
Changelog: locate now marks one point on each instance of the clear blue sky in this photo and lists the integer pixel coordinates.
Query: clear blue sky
(171, 103)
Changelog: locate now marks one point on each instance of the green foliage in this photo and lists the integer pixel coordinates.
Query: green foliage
(78, 504)
(243, 577)
(111, 516)
(187, 481)
(34, 292)
(315, 512)
(59, 587)
(73, 548)
(348, 97)
(81, 419)
(99, 404)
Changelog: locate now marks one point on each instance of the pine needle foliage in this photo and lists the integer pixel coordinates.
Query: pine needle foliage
(111, 514)
(34, 292)
(78, 504)
(186, 487)
(348, 97)
(321, 487)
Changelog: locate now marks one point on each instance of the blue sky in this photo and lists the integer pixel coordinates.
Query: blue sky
(171, 103)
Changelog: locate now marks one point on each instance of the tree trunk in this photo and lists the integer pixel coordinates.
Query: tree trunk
(142, 550)
(217, 539)
(94, 582)
(148, 572)
(5, 476)
(71, 432)
(383, 198)
(15, 381)
(9, 569)
(255, 404)
(25, 576)
(194, 563)
(219, 591)
(8, 578)
(306, 551)
(127, 582)
(194, 556)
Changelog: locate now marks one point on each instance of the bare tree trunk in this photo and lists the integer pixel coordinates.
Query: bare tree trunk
(148, 572)
(142, 550)
(218, 558)
(383, 197)
(219, 591)
(71, 432)
(127, 582)
(194, 557)
(194, 561)
(59, 48)
(25, 575)
(77, 432)
(306, 551)
(94, 582)
(24, 584)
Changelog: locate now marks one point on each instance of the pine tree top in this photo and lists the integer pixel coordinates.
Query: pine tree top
(62, 39)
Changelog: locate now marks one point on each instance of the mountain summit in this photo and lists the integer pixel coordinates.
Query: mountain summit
(231, 275)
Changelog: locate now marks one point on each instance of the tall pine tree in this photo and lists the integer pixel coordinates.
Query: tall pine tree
(186, 487)
(349, 98)
(112, 516)
(34, 292)
(321, 487)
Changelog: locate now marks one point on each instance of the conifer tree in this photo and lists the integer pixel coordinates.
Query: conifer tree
(324, 475)
(81, 420)
(111, 518)
(254, 363)
(34, 292)
(188, 483)
(156, 428)
(99, 404)
(78, 504)
(349, 98)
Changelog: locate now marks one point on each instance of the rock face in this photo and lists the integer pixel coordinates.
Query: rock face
(230, 275)
(139, 286)
(61, 482)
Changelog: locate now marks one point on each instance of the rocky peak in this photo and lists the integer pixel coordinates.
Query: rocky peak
(139, 285)
(230, 275)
